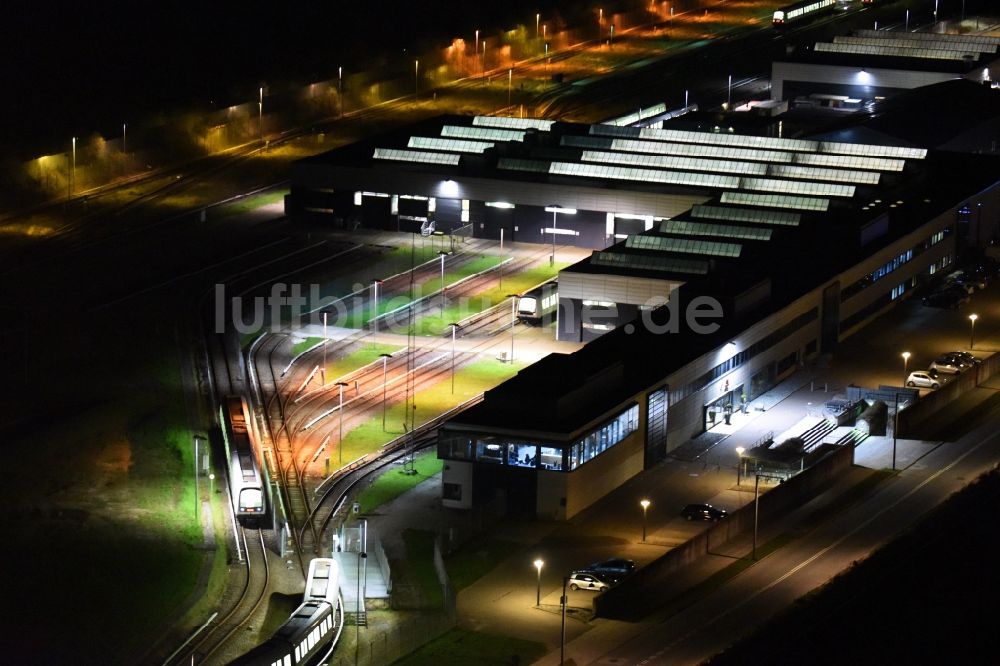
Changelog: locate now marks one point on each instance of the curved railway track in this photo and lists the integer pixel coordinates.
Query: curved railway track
(251, 596)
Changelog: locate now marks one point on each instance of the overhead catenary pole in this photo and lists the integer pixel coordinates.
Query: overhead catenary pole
(385, 360)
(454, 327)
(340, 441)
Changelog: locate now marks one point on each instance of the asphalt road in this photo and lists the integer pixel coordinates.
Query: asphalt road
(749, 599)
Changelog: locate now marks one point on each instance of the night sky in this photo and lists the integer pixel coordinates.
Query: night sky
(75, 68)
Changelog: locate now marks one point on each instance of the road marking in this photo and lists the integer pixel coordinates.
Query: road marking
(814, 557)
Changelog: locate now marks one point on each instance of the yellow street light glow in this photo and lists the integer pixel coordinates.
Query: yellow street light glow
(973, 317)
(644, 504)
(538, 564)
(740, 450)
(906, 356)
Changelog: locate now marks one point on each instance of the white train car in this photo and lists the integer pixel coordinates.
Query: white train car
(312, 632)
(246, 482)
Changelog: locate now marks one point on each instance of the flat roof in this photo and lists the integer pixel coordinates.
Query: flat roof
(641, 358)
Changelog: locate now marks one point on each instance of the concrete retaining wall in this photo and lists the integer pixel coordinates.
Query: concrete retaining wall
(643, 592)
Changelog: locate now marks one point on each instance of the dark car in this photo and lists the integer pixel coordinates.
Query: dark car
(949, 297)
(615, 567)
(703, 512)
(967, 357)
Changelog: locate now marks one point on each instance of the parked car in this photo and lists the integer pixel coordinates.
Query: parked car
(950, 297)
(967, 357)
(587, 580)
(922, 379)
(946, 364)
(962, 281)
(615, 567)
(703, 512)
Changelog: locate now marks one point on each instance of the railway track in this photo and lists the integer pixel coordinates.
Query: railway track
(252, 594)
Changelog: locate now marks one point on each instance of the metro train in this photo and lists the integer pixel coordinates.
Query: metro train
(801, 10)
(538, 306)
(312, 632)
(246, 482)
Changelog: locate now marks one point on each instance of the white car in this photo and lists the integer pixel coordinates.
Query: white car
(946, 365)
(584, 580)
(922, 379)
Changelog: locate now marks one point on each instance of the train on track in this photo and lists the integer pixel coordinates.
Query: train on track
(245, 478)
(312, 632)
(538, 306)
(802, 10)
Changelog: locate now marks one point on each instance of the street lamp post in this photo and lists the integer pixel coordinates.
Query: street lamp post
(729, 93)
(562, 631)
(196, 466)
(442, 255)
(340, 89)
(500, 285)
(739, 465)
(211, 486)
(537, 18)
(906, 23)
(73, 175)
(416, 73)
(340, 440)
(374, 317)
(260, 115)
(510, 80)
(385, 360)
(645, 505)
(906, 359)
(513, 320)
(454, 327)
(555, 210)
(611, 39)
(895, 426)
(538, 590)
(124, 125)
(972, 333)
(322, 370)
(756, 512)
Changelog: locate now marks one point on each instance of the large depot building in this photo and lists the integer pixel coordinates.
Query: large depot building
(785, 246)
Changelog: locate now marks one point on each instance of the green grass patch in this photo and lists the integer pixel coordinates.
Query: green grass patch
(470, 381)
(435, 323)
(475, 560)
(306, 344)
(393, 483)
(251, 203)
(247, 339)
(463, 646)
(420, 565)
(337, 368)
(279, 609)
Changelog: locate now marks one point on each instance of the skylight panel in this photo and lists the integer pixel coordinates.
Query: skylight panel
(775, 217)
(891, 50)
(486, 133)
(516, 164)
(678, 163)
(683, 245)
(796, 187)
(643, 175)
(513, 123)
(457, 145)
(650, 262)
(690, 228)
(869, 150)
(775, 201)
(816, 173)
(850, 162)
(401, 155)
